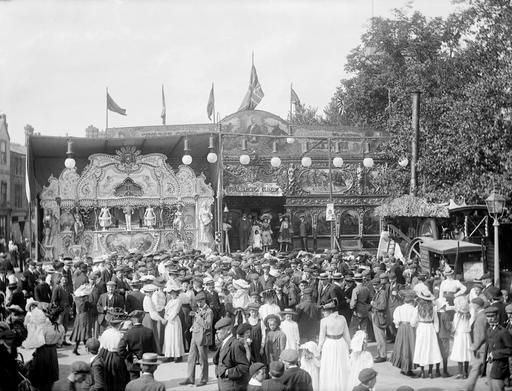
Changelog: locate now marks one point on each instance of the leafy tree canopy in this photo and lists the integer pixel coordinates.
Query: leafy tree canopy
(462, 65)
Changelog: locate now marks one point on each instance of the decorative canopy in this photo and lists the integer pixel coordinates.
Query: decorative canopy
(125, 179)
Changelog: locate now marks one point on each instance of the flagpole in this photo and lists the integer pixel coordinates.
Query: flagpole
(106, 111)
(213, 89)
(291, 89)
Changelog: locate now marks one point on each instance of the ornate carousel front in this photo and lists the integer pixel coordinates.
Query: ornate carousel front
(126, 202)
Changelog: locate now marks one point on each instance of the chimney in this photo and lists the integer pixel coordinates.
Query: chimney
(29, 131)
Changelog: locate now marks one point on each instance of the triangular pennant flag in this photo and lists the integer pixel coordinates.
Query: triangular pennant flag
(210, 107)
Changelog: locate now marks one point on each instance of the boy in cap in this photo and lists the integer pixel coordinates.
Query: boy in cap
(257, 373)
(276, 370)
(368, 378)
(79, 372)
(294, 378)
(146, 382)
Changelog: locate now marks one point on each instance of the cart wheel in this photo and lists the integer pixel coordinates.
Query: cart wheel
(414, 248)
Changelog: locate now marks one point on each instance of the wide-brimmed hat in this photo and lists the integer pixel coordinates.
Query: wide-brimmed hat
(172, 287)
(149, 359)
(448, 271)
(253, 306)
(425, 295)
(83, 290)
(240, 284)
(149, 288)
(31, 302)
(272, 316)
(288, 311)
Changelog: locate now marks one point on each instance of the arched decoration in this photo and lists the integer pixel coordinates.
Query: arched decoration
(349, 223)
(129, 186)
(371, 223)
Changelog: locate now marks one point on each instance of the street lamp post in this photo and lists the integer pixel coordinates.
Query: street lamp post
(496, 206)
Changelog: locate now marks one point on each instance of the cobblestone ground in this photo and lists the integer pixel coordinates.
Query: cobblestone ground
(389, 377)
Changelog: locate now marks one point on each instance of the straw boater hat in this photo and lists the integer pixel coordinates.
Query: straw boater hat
(149, 288)
(288, 311)
(149, 359)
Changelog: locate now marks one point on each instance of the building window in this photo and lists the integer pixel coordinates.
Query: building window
(3, 193)
(19, 166)
(3, 152)
(3, 227)
(18, 196)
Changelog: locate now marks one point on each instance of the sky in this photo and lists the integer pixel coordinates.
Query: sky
(59, 56)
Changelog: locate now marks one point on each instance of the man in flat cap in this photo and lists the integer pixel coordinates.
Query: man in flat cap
(201, 339)
(368, 378)
(79, 372)
(294, 378)
(232, 366)
(135, 342)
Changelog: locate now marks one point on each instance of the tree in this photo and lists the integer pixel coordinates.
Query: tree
(462, 65)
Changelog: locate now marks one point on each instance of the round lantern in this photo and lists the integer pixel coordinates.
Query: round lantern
(306, 161)
(245, 159)
(186, 159)
(368, 162)
(337, 162)
(275, 162)
(290, 140)
(211, 157)
(69, 163)
(403, 162)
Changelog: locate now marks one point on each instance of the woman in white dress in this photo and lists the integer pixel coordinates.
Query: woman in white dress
(461, 350)
(334, 340)
(173, 338)
(426, 348)
(360, 358)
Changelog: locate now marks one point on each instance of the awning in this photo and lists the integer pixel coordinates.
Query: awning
(448, 246)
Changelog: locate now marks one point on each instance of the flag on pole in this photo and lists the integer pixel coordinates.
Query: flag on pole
(113, 106)
(164, 111)
(294, 99)
(210, 107)
(254, 95)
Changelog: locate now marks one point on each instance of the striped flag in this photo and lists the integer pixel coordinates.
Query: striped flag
(113, 106)
(163, 115)
(210, 107)
(254, 94)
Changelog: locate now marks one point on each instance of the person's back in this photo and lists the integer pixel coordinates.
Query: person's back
(296, 379)
(146, 382)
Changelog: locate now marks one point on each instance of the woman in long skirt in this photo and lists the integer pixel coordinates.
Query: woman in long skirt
(461, 350)
(402, 356)
(360, 358)
(333, 343)
(256, 332)
(426, 348)
(81, 328)
(116, 373)
(151, 317)
(44, 368)
(173, 338)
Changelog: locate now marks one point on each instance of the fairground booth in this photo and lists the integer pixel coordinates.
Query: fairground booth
(190, 186)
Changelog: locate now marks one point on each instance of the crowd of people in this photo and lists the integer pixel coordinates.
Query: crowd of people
(276, 321)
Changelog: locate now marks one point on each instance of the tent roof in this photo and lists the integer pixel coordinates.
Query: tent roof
(46, 154)
(448, 246)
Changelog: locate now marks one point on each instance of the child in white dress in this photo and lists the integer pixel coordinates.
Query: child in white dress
(461, 350)
(310, 363)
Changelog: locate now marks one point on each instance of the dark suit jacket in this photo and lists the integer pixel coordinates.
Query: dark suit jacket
(134, 300)
(499, 343)
(296, 379)
(61, 297)
(135, 342)
(282, 301)
(232, 367)
(269, 284)
(43, 293)
(98, 375)
(29, 281)
(116, 301)
(255, 287)
(145, 383)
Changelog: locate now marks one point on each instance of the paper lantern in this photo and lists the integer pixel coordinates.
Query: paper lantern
(186, 159)
(337, 162)
(69, 163)
(306, 161)
(245, 159)
(368, 162)
(275, 162)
